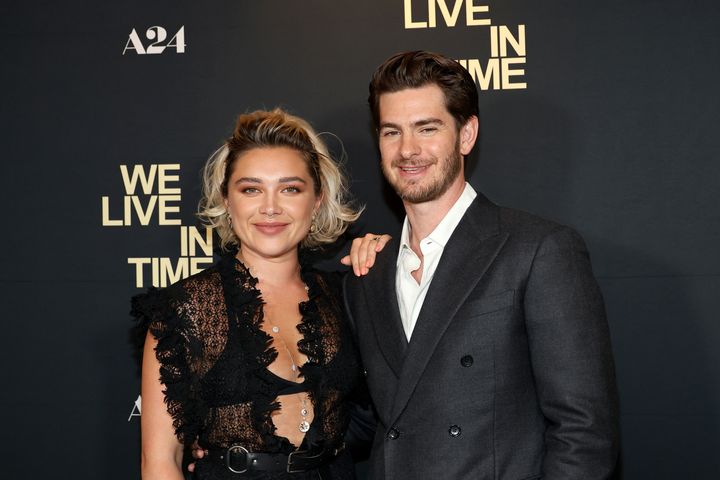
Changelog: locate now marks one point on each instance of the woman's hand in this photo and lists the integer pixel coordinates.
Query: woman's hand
(363, 251)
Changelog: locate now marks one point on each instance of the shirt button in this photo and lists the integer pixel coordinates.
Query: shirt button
(466, 361)
(393, 434)
(454, 431)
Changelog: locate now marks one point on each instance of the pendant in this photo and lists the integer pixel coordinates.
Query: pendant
(304, 426)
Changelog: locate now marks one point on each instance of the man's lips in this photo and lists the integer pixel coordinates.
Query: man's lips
(411, 170)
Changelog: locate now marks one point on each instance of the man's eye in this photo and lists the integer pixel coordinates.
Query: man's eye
(390, 133)
(429, 130)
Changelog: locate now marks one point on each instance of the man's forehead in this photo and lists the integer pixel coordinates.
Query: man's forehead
(413, 104)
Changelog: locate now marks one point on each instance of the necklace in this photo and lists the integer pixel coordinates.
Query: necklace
(304, 425)
(276, 329)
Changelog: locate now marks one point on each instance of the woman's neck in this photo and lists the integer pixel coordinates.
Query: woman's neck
(272, 272)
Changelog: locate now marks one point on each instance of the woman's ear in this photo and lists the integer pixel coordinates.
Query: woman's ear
(318, 202)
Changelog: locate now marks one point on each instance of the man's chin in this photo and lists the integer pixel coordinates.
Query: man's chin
(418, 196)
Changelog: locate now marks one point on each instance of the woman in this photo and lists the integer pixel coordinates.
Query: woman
(252, 356)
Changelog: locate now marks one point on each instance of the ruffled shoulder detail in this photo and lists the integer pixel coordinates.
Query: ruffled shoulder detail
(311, 324)
(244, 303)
(156, 312)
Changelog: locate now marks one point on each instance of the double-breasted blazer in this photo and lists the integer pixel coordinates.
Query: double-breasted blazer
(508, 373)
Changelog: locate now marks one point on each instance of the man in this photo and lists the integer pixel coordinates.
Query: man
(484, 340)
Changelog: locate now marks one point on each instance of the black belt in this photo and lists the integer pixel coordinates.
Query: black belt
(238, 459)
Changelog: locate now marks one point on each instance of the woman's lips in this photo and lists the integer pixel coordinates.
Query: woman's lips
(271, 228)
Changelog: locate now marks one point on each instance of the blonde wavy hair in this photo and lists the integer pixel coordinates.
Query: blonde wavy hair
(278, 128)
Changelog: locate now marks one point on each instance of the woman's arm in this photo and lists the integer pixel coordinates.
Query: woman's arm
(161, 452)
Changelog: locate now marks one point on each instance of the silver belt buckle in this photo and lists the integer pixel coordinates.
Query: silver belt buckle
(236, 449)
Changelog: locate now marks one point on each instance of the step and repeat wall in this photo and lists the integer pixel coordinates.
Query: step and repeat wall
(600, 115)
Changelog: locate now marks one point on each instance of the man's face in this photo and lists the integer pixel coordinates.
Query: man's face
(421, 151)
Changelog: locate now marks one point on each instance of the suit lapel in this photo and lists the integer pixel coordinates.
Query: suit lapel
(468, 254)
(381, 299)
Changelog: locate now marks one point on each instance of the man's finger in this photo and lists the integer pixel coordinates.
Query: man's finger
(376, 243)
(382, 241)
(354, 254)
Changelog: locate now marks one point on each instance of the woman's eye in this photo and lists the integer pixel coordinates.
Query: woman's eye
(250, 190)
(291, 189)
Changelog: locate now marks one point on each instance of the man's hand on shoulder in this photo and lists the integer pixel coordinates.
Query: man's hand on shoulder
(363, 252)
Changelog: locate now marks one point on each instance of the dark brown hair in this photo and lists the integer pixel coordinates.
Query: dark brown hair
(418, 69)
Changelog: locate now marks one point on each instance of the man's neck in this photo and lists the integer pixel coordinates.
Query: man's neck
(425, 217)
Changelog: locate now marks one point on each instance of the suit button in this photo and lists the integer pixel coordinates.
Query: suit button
(393, 434)
(454, 431)
(466, 361)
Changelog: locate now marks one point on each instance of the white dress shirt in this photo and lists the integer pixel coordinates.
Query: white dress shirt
(410, 294)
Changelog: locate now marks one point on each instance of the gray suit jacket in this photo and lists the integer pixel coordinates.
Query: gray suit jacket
(509, 371)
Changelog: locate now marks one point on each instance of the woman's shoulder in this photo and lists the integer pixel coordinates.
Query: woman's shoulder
(158, 303)
(205, 281)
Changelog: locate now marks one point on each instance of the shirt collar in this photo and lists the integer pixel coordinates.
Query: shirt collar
(442, 232)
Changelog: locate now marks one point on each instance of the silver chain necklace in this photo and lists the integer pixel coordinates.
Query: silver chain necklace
(304, 425)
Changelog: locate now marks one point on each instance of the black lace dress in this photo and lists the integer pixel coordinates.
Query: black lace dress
(214, 357)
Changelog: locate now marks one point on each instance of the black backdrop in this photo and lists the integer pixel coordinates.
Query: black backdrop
(607, 120)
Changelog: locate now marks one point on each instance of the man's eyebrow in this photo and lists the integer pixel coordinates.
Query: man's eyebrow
(428, 121)
(389, 125)
(418, 123)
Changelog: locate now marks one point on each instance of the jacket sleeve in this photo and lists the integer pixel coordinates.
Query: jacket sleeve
(571, 360)
(363, 419)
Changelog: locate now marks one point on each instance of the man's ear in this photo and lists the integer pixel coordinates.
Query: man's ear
(468, 134)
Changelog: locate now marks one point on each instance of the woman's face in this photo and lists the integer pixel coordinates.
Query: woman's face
(271, 199)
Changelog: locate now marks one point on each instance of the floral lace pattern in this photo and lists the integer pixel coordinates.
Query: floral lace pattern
(214, 356)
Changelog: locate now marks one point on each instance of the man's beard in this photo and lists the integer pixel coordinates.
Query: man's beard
(411, 192)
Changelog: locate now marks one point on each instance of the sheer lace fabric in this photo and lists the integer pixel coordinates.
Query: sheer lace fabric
(214, 357)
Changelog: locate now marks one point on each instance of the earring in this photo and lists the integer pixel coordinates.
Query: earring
(229, 220)
(313, 225)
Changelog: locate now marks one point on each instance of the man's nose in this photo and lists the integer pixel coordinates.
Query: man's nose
(409, 147)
